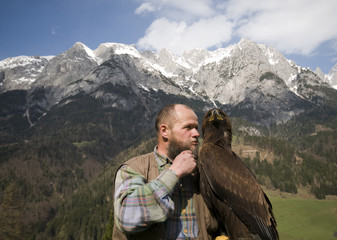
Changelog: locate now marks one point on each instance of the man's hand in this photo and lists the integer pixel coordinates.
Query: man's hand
(184, 163)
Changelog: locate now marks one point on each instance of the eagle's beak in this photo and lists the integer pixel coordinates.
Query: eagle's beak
(215, 116)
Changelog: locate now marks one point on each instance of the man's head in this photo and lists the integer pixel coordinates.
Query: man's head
(177, 130)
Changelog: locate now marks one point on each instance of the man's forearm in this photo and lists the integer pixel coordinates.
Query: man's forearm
(139, 204)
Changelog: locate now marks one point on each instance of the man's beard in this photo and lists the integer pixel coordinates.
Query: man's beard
(175, 148)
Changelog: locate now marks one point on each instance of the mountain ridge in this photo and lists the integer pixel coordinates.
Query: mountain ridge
(189, 59)
(235, 76)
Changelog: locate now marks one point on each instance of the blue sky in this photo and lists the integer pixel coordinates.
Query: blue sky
(304, 30)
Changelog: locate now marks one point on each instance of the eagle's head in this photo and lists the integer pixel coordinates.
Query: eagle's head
(216, 125)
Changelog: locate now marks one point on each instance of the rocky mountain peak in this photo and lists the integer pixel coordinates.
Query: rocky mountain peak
(105, 50)
(78, 52)
(319, 73)
(245, 43)
(332, 76)
(196, 56)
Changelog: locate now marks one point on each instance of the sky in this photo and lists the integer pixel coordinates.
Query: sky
(305, 31)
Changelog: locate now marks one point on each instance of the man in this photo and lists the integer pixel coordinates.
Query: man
(156, 195)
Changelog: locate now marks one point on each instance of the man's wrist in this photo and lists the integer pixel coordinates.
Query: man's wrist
(173, 172)
(169, 180)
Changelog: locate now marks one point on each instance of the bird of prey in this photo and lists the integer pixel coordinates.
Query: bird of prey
(230, 190)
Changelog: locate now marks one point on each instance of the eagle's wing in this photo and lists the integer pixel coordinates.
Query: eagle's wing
(234, 184)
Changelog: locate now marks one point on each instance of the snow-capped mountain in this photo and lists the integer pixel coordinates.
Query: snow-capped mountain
(20, 72)
(245, 77)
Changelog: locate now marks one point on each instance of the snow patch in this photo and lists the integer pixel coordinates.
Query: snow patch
(271, 57)
(91, 54)
(143, 87)
(18, 61)
(292, 77)
(161, 70)
(192, 90)
(25, 79)
(218, 55)
(22, 61)
(124, 49)
(48, 57)
(214, 103)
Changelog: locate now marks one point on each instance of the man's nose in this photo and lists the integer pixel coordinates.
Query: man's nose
(195, 133)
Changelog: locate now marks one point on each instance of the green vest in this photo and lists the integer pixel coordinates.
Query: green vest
(147, 166)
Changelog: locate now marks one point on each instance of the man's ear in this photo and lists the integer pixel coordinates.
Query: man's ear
(164, 131)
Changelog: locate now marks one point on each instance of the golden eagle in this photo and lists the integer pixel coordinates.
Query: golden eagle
(230, 190)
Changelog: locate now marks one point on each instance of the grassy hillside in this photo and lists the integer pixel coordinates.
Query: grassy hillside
(305, 218)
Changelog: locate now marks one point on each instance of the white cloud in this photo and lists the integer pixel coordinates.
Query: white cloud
(179, 37)
(198, 8)
(292, 26)
(145, 7)
(178, 9)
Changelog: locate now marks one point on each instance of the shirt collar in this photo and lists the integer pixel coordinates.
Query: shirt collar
(161, 159)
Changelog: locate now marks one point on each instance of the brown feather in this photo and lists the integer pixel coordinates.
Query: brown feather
(228, 187)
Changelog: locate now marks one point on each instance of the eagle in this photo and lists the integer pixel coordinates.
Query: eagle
(229, 189)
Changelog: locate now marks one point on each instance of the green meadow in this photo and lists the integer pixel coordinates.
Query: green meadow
(305, 218)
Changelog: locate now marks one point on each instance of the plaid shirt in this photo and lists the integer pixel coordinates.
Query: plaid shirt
(139, 203)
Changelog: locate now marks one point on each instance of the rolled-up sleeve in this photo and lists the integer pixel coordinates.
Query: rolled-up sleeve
(137, 203)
